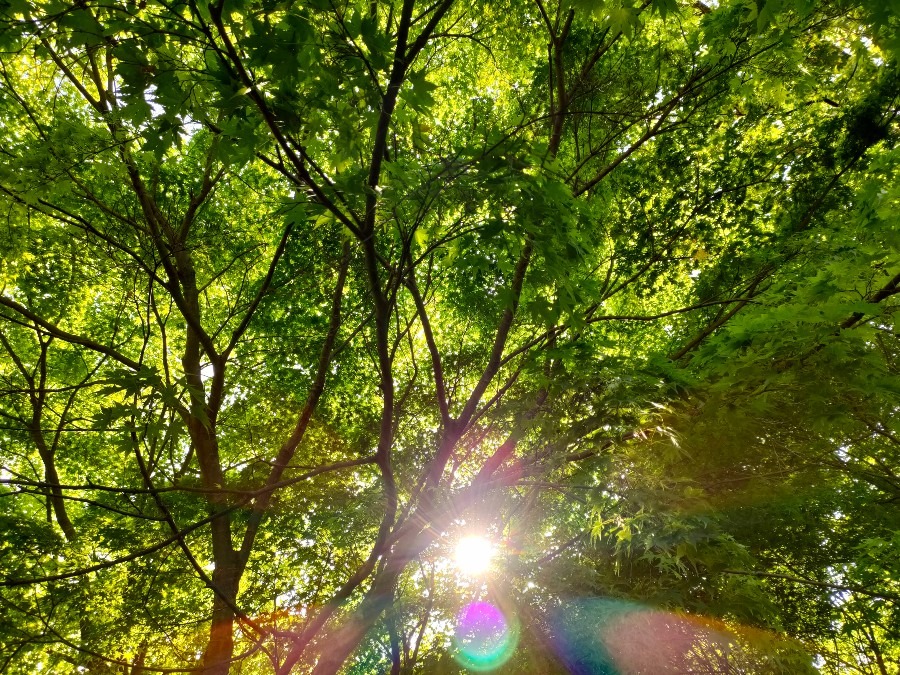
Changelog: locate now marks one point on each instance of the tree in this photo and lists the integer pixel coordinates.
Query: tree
(295, 294)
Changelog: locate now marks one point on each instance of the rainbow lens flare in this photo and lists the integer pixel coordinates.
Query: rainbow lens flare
(609, 637)
(484, 637)
(615, 637)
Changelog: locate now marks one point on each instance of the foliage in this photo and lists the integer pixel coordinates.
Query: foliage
(293, 295)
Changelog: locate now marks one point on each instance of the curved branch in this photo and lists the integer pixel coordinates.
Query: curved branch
(65, 336)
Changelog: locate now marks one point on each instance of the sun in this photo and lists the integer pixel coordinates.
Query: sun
(473, 555)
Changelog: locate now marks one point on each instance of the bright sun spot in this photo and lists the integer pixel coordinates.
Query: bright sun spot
(473, 555)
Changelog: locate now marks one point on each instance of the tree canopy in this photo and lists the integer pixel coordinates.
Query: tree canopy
(297, 298)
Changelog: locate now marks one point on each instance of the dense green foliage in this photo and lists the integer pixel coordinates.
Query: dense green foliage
(294, 295)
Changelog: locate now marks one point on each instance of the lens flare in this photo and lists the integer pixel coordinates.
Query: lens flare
(614, 637)
(484, 637)
(473, 555)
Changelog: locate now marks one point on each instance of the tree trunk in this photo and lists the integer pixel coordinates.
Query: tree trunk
(56, 498)
(226, 578)
(219, 652)
(220, 648)
(51, 477)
